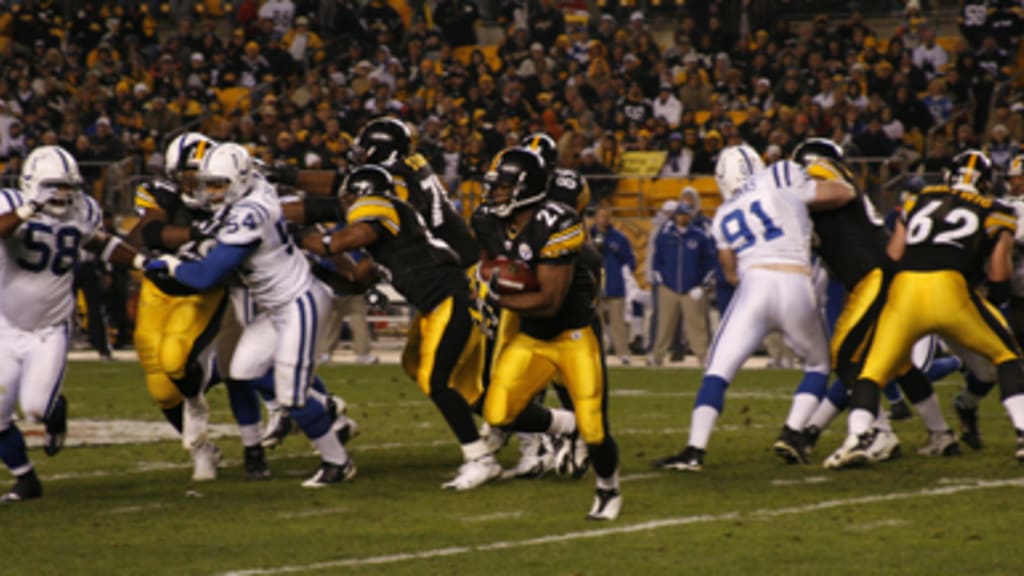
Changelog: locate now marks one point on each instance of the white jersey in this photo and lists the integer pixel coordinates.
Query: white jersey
(766, 221)
(1017, 203)
(277, 272)
(37, 262)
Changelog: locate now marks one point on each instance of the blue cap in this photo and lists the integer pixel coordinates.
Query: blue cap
(684, 208)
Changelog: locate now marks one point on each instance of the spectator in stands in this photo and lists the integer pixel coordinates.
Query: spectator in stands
(546, 22)
(457, 20)
(874, 142)
(667, 106)
(678, 160)
(938, 102)
(303, 45)
(280, 12)
(929, 56)
(1000, 147)
(599, 177)
(619, 265)
(683, 260)
(383, 23)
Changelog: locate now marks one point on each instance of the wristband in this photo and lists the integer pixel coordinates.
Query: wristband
(25, 212)
(139, 262)
(326, 241)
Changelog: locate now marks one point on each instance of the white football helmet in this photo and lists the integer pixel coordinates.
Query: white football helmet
(50, 178)
(735, 165)
(225, 175)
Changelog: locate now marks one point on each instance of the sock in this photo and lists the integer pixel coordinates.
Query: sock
(533, 418)
(319, 385)
(800, 412)
(562, 422)
(605, 458)
(712, 393)
(882, 422)
(976, 388)
(457, 413)
(1015, 408)
(245, 404)
(839, 395)
(474, 450)
(13, 452)
(860, 421)
(892, 392)
(176, 416)
(703, 420)
(312, 418)
(610, 482)
(931, 413)
(565, 398)
(250, 434)
(824, 414)
(330, 448)
(942, 367)
(915, 385)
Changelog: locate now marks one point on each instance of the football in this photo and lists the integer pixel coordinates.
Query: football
(514, 276)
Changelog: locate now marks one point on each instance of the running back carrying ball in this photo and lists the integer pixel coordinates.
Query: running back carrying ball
(514, 276)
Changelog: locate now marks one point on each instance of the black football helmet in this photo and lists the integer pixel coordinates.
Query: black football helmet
(382, 141)
(521, 170)
(544, 146)
(970, 171)
(813, 149)
(369, 180)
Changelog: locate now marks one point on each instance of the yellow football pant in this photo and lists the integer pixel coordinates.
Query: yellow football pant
(939, 302)
(445, 346)
(526, 365)
(167, 331)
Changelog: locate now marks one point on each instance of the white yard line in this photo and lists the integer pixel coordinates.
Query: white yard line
(869, 526)
(510, 515)
(311, 513)
(629, 529)
(748, 394)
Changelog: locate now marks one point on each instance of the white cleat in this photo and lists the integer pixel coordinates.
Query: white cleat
(328, 473)
(607, 505)
(885, 447)
(279, 425)
(536, 457)
(942, 443)
(854, 452)
(205, 458)
(474, 473)
(494, 438)
(571, 456)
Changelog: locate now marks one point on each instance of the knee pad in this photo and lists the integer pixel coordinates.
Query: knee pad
(174, 352)
(496, 408)
(163, 391)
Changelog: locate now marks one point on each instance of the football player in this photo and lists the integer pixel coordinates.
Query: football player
(852, 241)
(176, 328)
(763, 231)
(281, 346)
(558, 334)
(564, 185)
(449, 347)
(43, 224)
(950, 233)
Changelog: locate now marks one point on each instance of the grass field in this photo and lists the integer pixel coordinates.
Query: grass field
(131, 509)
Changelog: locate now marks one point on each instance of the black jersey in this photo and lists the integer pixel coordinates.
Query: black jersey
(554, 235)
(423, 269)
(163, 195)
(852, 238)
(416, 183)
(950, 229)
(570, 188)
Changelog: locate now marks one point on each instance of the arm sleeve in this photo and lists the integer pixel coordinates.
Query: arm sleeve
(564, 242)
(210, 271)
(10, 200)
(717, 238)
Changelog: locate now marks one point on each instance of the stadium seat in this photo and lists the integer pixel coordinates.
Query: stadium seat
(229, 98)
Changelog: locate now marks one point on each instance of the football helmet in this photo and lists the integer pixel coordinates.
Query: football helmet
(813, 149)
(186, 152)
(1016, 166)
(382, 141)
(544, 146)
(225, 175)
(50, 179)
(523, 173)
(369, 180)
(735, 165)
(969, 171)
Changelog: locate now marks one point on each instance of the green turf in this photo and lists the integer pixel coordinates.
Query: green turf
(132, 509)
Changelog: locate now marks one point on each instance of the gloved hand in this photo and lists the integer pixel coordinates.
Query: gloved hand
(164, 265)
(696, 293)
(376, 299)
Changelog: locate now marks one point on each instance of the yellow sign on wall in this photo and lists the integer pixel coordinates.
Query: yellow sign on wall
(646, 163)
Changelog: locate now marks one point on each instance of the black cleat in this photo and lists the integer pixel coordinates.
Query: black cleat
(690, 459)
(811, 435)
(56, 427)
(256, 463)
(26, 487)
(900, 410)
(970, 432)
(790, 446)
(328, 474)
(1020, 446)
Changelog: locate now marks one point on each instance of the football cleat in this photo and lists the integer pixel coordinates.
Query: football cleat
(536, 456)
(255, 463)
(855, 451)
(607, 505)
(56, 427)
(690, 459)
(900, 410)
(790, 446)
(328, 474)
(279, 425)
(474, 473)
(811, 435)
(1020, 446)
(205, 458)
(26, 487)
(495, 438)
(885, 447)
(940, 444)
(344, 427)
(970, 432)
(571, 456)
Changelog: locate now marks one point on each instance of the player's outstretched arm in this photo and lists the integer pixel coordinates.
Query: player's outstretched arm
(897, 242)
(831, 194)
(204, 274)
(1000, 269)
(554, 281)
(152, 231)
(112, 249)
(352, 237)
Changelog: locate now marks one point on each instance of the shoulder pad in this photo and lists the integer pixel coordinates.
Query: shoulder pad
(10, 199)
(379, 209)
(416, 161)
